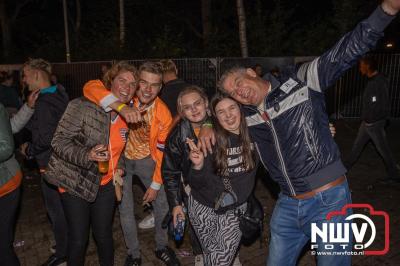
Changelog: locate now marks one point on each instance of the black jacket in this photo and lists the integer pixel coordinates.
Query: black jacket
(176, 161)
(205, 185)
(375, 103)
(49, 108)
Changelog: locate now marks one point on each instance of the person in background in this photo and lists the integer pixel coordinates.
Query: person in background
(172, 85)
(49, 108)
(258, 69)
(374, 115)
(10, 181)
(8, 93)
(86, 135)
(103, 69)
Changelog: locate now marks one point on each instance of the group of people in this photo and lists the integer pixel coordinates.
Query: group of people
(198, 164)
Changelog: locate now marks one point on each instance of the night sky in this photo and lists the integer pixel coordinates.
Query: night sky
(174, 28)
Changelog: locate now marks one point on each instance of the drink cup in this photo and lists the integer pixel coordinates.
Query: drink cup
(103, 167)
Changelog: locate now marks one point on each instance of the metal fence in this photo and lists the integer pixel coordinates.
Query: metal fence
(343, 100)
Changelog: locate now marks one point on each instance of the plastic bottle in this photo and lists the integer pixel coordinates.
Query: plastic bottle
(179, 229)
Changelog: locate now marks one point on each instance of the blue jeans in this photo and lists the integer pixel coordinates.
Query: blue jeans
(291, 226)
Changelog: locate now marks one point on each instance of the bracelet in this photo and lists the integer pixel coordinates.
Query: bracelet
(207, 124)
(119, 108)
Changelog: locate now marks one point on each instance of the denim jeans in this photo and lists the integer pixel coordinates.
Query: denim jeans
(376, 133)
(144, 169)
(291, 226)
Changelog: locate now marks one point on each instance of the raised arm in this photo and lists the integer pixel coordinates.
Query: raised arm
(323, 71)
(97, 93)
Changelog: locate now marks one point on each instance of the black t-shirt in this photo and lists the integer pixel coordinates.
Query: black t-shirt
(376, 104)
(207, 186)
(169, 94)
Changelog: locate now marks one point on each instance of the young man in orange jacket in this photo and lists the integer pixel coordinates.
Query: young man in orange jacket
(150, 123)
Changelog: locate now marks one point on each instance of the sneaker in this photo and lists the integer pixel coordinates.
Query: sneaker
(167, 255)
(54, 261)
(199, 260)
(129, 261)
(147, 222)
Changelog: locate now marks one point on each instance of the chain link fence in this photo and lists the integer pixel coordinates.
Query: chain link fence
(343, 99)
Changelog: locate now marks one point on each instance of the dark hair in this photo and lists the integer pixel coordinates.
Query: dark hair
(231, 71)
(117, 68)
(222, 140)
(370, 62)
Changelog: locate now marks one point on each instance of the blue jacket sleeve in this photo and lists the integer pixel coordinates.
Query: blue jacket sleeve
(323, 71)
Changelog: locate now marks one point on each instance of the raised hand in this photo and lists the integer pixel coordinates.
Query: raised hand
(99, 153)
(391, 6)
(195, 155)
(131, 114)
(32, 97)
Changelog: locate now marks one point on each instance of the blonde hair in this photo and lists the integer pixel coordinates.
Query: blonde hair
(121, 66)
(187, 90)
(168, 66)
(39, 64)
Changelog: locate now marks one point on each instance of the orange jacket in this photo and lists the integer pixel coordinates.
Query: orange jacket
(95, 91)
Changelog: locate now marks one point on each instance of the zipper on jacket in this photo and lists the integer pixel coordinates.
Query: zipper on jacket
(259, 154)
(270, 125)
(278, 149)
(307, 135)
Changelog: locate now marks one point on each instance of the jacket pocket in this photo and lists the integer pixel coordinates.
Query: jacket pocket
(310, 141)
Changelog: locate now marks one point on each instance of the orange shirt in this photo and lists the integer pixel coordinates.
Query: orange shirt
(12, 184)
(118, 135)
(138, 146)
(197, 131)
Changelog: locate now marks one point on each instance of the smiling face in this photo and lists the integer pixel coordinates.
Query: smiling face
(149, 87)
(193, 107)
(124, 86)
(228, 114)
(246, 87)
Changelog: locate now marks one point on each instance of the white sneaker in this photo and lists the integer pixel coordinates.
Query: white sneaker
(199, 260)
(147, 222)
